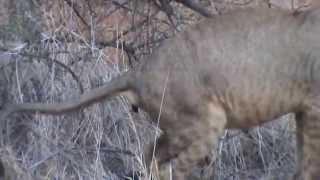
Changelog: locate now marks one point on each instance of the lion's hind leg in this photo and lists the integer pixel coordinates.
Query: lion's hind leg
(308, 139)
(187, 146)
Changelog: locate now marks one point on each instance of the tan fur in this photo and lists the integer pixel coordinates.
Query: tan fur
(237, 70)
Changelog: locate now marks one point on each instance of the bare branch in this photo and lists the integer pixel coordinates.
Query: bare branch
(46, 57)
(75, 9)
(196, 7)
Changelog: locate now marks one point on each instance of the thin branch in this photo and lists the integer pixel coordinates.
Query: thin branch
(168, 10)
(111, 150)
(46, 57)
(92, 12)
(75, 9)
(196, 7)
(155, 41)
(123, 6)
(128, 49)
(112, 43)
(166, 7)
(244, 3)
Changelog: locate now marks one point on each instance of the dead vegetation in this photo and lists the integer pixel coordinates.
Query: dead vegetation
(51, 51)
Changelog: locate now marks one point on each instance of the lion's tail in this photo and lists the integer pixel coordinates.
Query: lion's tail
(114, 87)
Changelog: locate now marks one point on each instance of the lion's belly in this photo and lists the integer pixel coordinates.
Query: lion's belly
(249, 109)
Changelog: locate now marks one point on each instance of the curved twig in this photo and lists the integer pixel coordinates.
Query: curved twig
(196, 7)
(64, 66)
